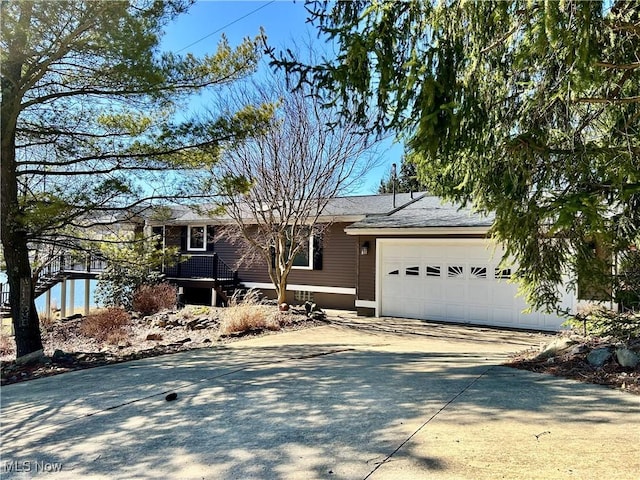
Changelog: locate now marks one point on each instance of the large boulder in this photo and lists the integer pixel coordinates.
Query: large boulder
(627, 358)
(599, 356)
(556, 347)
(31, 358)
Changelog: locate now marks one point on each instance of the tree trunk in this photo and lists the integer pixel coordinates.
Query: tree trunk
(13, 234)
(282, 292)
(16, 254)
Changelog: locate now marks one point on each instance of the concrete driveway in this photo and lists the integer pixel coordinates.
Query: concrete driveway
(357, 399)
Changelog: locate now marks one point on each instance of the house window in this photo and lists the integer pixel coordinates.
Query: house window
(503, 273)
(478, 272)
(412, 271)
(433, 270)
(455, 271)
(303, 258)
(196, 239)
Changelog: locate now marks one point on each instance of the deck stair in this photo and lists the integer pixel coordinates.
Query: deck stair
(66, 266)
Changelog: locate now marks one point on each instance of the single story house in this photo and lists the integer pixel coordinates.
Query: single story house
(404, 255)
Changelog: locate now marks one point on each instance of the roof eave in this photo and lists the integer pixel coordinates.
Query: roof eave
(388, 231)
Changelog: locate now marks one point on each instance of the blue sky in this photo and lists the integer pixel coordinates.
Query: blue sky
(283, 21)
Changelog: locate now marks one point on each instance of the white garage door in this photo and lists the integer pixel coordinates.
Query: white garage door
(453, 280)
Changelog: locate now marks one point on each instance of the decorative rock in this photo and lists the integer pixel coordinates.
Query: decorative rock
(58, 354)
(33, 357)
(318, 315)
(579, 349)
(599, 356)
(555, 347)
(197, 324)
(284, 307)
(191, 325)
(173, 321)
(61, 357)
(627, 358)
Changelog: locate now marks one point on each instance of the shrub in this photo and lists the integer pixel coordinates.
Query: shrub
(130, 264)
(250, 297)
(109, 324)
(118, 337)
(243, 318)
(150, 299)
(603, 322)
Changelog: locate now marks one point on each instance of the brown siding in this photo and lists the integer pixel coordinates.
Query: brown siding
(338, 262)
(366, 287)
(230, 253)
(331, 300)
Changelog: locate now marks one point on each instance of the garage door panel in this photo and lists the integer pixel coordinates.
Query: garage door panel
(434, 312)
(480, 314)
(433, 293)
(503, 316)
(457, 313)
(455, 291)
(479, 293)
(452, 281)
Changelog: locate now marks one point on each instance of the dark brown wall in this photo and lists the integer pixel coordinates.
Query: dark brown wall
(230, 253)
(366, 286)
(338, 262)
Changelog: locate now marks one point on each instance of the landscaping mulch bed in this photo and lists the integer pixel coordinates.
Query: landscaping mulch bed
(577, 367)
(66, 349)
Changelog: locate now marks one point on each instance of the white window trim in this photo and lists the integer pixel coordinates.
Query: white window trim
(309, 256)
(204, 243)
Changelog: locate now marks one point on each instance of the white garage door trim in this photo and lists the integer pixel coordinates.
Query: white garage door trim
(465, 287)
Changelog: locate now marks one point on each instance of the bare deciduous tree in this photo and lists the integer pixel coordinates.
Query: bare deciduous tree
(275, 187)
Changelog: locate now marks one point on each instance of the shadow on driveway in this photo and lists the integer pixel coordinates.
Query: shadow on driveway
(357, 407)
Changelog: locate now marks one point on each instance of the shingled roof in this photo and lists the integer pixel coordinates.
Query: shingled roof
(424, 212)
(349, 209)
(369, 212)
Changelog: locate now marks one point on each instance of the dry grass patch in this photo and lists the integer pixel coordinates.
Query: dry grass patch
(247, 314)
(108, 325)
(244, 318)
(150, 299)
